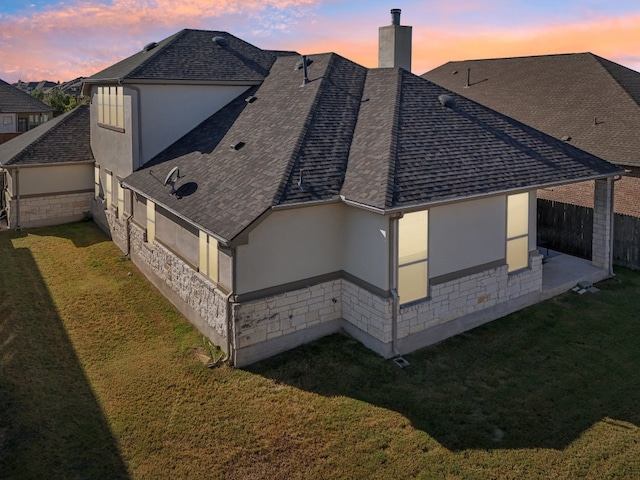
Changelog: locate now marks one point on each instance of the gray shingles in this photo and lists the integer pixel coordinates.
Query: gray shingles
(191, 55)
(594, 101)
(378, 137)
(61, 140)
(14, 100)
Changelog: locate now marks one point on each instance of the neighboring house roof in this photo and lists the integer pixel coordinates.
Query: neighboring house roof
(193, 56)
(14, 100)
(61, 140)
(379, 138)
(592, 100)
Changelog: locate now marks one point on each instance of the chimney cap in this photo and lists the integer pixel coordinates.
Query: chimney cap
(395, 16)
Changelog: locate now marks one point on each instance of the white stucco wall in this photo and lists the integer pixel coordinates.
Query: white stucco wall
(56, 179)
(366, 248)
(291, 245)
(466, 234)
(112, 149)
(171, 111)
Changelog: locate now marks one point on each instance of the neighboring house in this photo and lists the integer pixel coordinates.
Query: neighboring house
(276, 199)
(19, 112)
(47, 173)
(591, 102)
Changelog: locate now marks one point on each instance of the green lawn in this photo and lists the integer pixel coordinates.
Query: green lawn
(100, 378)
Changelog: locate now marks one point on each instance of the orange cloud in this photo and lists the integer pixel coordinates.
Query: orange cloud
(82, 38)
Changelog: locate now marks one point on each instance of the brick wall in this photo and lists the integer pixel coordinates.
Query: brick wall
(627, 193)
(602, 224)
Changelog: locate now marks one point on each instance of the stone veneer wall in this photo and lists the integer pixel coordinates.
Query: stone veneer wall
(602, 225)
(469, 295)
(194, 294)
(270, 325)
(284, 321)
(49, 209)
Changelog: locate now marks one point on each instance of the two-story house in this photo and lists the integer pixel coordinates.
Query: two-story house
(19, 112)
(275, 198)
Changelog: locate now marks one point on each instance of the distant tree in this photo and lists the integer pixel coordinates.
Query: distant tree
(58, 101)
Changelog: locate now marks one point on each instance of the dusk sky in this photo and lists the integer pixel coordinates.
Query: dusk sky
(65, 39)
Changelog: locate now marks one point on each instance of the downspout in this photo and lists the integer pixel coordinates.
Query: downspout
(17, 197)
(393, 281)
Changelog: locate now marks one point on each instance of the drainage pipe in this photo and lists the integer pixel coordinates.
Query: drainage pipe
(17, 197)
(393, 281)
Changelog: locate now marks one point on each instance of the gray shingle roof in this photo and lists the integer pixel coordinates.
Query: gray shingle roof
(376, 137)
(594, 101)
(61, 140)
(14, 100)
(191, 55)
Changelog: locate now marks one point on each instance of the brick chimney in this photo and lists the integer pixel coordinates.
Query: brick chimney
(394, 43)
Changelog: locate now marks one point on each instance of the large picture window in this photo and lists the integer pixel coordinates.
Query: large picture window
(518, 231)
(413, 256)
(111, 106)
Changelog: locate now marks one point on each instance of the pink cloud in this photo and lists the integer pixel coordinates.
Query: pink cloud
(80, 39)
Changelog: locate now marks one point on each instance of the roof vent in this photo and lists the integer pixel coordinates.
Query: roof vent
(220, 41)
(237, 145)
(250, 99)
(149, 46)
(566, 138)
(447, 101)
(301, 62)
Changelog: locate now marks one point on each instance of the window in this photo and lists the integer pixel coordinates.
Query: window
(413, 256)
(151, 221)
(120, 191)
(7, 120)
(96, 181)
(518, 231)
(208, 256)
(111, 106)
(108, 184)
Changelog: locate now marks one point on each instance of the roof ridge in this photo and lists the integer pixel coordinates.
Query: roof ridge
(300, 143)
(159, 48)
(617, 81)
(390, 194)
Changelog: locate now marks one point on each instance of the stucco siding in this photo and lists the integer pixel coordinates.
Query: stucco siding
(291, 245)
(170, 111)
(56, 179)
(466, 235)
(111, 148)
(366, 247)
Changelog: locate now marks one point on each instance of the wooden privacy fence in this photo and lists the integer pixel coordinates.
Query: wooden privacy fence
(569, 229)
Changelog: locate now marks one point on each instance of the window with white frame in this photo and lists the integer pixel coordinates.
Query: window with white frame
(413, 259)
(518, 231)
(7, 120)
(111, 106)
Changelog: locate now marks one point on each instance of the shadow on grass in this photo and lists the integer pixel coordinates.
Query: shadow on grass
(81, 237)
(536, 379)
(51, 424)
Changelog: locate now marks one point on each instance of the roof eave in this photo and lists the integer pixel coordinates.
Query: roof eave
(421, 206)
(225, 242)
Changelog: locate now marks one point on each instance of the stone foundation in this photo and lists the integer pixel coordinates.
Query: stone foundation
(264, 327)
(40, 211)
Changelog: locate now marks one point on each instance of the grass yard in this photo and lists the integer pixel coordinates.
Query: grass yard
(99, 378)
